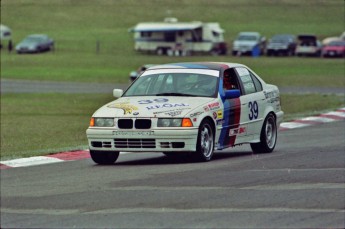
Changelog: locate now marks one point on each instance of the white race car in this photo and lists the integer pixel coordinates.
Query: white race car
(187, 107)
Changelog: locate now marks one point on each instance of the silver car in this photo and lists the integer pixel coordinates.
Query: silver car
(308, 45)
(252, 43)
(35, 43)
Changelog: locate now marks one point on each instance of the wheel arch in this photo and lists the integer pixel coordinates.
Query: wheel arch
(269, 110)
(211, 121)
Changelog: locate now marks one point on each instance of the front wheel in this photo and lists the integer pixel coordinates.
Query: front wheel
(268, 136)
(205, 142)
(104, 157)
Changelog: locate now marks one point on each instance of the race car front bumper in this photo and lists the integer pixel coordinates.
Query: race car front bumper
(172, 140)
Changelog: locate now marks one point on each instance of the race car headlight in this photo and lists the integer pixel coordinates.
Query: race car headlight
(174, 122)
(102, 122)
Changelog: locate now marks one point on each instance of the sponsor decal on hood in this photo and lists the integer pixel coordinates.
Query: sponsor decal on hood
(152, 106)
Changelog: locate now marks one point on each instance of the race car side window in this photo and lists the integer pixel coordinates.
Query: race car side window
(247, 80)
(257, 83)
(230, 80)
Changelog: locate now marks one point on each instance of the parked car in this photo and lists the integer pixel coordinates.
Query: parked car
(248, 43)
(334, 49)
(328, 40)
(308, 45)
(134, 74)
(284, 44)
(35, 43)
(192, 108)
(342, 36)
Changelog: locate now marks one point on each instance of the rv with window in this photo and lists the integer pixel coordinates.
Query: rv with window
(5, 34)
(179, 38)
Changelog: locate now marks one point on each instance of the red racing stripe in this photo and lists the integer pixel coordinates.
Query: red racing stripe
(235, 115)
(71, 156)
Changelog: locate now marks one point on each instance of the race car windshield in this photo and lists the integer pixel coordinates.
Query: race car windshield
(174, 84)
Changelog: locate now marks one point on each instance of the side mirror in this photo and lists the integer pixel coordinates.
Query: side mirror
(232, 94)
(117, 93)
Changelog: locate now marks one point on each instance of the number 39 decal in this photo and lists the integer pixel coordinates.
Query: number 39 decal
(253, 110)
(162, 100)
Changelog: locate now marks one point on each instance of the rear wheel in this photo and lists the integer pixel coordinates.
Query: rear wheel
(104, 157)
(268, 136)
(205, 142)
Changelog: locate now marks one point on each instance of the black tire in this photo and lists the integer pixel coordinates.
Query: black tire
(268, 136)
(205, 142)
(104, 157)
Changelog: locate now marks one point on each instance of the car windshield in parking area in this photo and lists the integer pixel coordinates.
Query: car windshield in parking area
(281, 39)
(33, 39)
(174, 84)
(247, 38)
(337, 43)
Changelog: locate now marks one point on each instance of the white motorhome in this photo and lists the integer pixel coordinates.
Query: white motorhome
(5, 34)
(179, 38)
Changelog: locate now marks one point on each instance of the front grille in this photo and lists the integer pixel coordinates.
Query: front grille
(172, 144)
(143, 124)
(98, 144)
(125, 123)
(134, 143)
(138, 123)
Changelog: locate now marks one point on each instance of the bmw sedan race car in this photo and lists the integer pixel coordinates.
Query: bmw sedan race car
(187, 107)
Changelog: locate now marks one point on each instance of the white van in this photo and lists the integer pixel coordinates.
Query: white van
(5, 34)
(179, 38)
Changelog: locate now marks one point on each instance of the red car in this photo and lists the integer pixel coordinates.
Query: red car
(334, 49)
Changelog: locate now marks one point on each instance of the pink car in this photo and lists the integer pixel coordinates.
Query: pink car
(334, 49)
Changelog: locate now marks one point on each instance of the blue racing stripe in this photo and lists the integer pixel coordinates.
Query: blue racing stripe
(224, 134)
(191, 65)
(231, 120)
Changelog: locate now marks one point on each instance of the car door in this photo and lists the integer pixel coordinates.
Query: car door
(252, 102)
(231, 117)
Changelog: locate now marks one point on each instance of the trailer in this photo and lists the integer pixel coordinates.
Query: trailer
(5, 34)
(179, 38)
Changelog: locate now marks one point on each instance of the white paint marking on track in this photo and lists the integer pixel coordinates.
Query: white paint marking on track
(314, 120)
(318, 119)
(30, 161)
(293, 125)
(336, 113)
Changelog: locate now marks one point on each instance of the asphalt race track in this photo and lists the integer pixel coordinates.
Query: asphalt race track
(300, 185)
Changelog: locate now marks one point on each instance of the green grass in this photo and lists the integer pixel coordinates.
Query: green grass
(88, 67)
(36, 124)
(298, 106)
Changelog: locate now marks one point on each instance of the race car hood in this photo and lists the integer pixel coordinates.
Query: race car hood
(151, 106)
